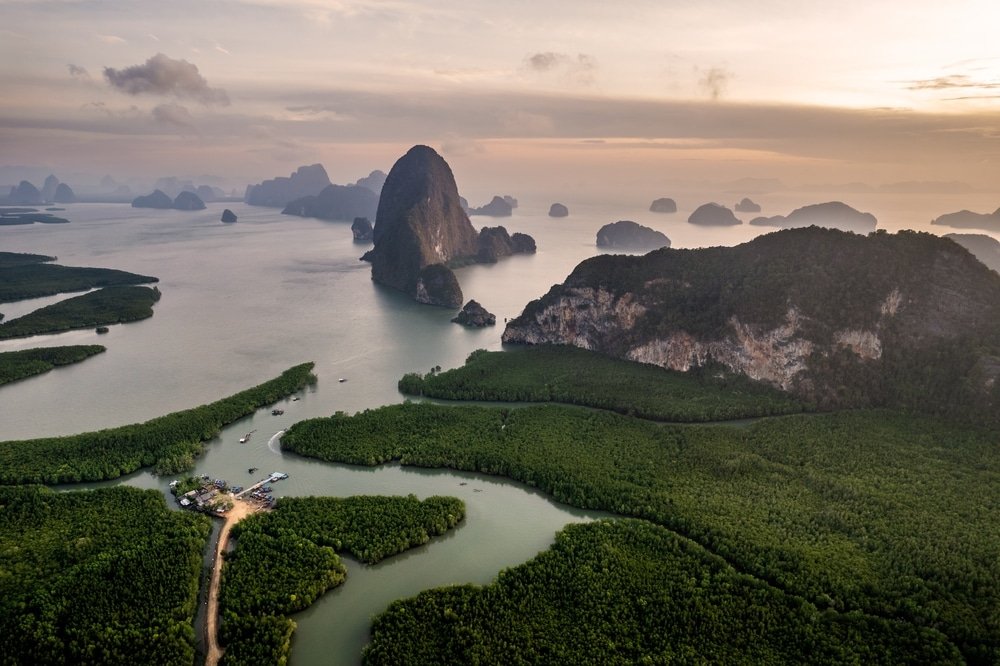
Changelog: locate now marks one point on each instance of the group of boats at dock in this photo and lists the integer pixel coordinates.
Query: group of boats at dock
(217, 495)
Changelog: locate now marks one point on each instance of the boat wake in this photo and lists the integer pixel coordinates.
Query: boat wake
(273, 442)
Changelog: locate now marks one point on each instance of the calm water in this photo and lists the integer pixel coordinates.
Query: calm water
(243, 302)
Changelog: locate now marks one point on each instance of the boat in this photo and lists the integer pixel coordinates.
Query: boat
(295, 398)
(277, 412)
(243, 440)
(251, 470)
(342, 380)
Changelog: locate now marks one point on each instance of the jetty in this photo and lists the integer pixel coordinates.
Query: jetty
(270, 478)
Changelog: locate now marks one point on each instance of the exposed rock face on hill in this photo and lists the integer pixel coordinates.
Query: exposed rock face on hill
(832, 215)
(362, 230)
(279, 192)
(558, 210)
(663, 205)
(713, 214)
(475, 315)
(228, 216)
(841, 319)
(437, 285)
(498, 207)
(966, 219)
(158, 199)
(747, 206)
(986, 248)
(336, 202)
(420, 223)
(628, 235)
(373, 181)
(64, 194)
(495, 243)
(188, 201)
(25, 194)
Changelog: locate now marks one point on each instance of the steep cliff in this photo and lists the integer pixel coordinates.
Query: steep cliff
(837, 318)
(419, 222)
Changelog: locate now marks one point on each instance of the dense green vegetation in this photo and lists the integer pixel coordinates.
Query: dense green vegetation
(167, 442)
(874, 511)
(111, 305)
(17, 365)
(553, 373)
(107, 576)
(630, 592)
(285, 559)
(10, 219)
(31, 276)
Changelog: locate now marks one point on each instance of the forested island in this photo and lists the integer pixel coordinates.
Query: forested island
(24, 276)
(16, 365)
(111, 305)
(287, 558)
(97, 577)
(170, 443)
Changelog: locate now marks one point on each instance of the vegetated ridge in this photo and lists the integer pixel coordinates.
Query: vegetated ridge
(837, 319)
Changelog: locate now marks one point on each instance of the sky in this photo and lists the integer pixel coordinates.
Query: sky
(585, 94)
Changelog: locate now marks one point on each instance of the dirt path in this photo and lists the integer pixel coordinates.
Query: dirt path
(239, 511)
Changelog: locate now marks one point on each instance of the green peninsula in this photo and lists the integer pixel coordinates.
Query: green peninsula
(25, 276)
(111, 305)
(17, 365)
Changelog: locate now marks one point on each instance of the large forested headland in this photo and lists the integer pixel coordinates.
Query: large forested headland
(550, 373)
(111, 305)
(900, 320)
(107, 576)
(285, 559)
(170, 443)
(15, 365)
(25, 276)
(877, 512)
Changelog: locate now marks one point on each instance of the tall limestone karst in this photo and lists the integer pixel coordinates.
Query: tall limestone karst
(420, 227)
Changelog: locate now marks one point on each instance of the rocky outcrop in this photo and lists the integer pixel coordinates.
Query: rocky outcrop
(228, 216)
(495, 243)
(558, 210)
(836, 318)
(830, 215)
(279, 192)
(362, 230)
(64, 194)
(373, 181)
(437, 285)
(188, 201)
(25, 194)
(158, 199)
(627, 235)
(663, 205)
(713, 214)
(475, 315)
(510, 201)
(336, 202)
(986, 248)
(966, 219)
(498, 207)
(420, 223)
(747, 205)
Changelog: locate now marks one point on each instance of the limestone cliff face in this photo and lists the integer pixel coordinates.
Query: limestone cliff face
(797, 309)
(419, 221)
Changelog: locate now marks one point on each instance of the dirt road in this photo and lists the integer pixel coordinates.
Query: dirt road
(239, 511)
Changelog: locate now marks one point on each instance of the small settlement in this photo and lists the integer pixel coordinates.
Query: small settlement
(216, 496)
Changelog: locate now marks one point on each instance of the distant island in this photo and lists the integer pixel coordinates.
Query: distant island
(663, 205)
(747, 205)
(186, 200)
(558, 210)
(831, 215)
(279, 192)
(628, 235)
(966, 219)
(497, 207)
(336, 202)
(714, 215)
